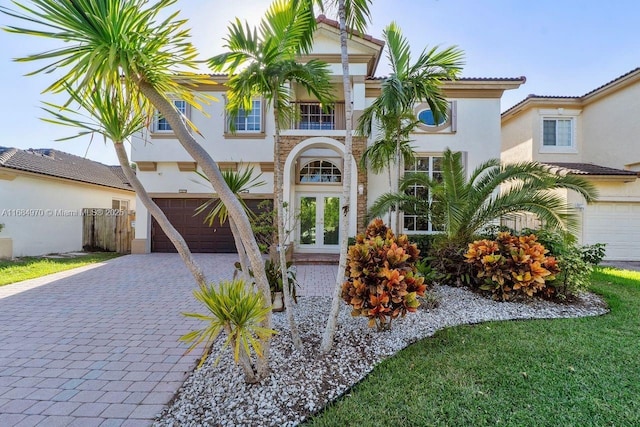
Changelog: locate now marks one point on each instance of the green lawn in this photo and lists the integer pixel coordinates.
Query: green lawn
(566, 372)
(32, 267)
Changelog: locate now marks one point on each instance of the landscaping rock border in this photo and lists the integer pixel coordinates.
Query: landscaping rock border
(302, 384)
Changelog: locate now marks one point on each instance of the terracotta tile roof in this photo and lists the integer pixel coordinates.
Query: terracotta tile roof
(522, 79)
(576, 98)
(590, 169)
(50, 162)
(335, 24)
(635, 70)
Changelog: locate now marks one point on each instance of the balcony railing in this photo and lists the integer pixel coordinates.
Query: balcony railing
(314, 116)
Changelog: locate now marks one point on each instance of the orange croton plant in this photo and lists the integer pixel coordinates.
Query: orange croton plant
(382, 280)
(512, 265)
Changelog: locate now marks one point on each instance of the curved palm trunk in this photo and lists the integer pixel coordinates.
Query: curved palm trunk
(332, 321)
(288, 301)
(233, 205)
(173, 235)
(242, 253)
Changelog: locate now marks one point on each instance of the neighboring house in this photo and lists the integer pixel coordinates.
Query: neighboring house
(312, 152)
(43, 193)
(596, 136)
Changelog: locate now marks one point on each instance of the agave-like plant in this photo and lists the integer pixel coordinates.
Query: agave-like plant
(238, 312)
(463, 206)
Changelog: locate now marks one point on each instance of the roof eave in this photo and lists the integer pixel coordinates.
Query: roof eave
(5, 168)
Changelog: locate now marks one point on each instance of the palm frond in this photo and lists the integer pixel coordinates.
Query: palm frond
(108, 40)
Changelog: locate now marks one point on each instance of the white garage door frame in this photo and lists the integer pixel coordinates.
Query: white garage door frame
(616, 223)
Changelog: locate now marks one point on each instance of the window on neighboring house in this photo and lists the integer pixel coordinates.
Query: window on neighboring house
(120, 204)
(557, 132)
(414, 221)
(320, 171)
(249, 121)
(161, 123)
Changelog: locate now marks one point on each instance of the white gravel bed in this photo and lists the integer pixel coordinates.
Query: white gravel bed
(302, 384)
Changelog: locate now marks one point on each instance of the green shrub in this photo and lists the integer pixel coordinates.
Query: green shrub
(575, 262)
(447, 259)
(593, 254)
(575, 273)
(263, 225)
(426, 270)
(382, 280)
(424, 242)
(512, 266)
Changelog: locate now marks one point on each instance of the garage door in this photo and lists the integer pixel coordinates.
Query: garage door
(199, 236)
(617, 225)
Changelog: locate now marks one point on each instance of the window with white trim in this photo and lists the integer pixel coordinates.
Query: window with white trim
(120, 204)
(557, 132)
(162, 125)
(320, 172)
(426, 120)
(249, 121)
(413, 220)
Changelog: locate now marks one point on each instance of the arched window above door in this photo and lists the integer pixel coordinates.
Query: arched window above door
(320, 172)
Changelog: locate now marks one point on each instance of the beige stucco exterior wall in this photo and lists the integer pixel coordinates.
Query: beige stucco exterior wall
(477, 135)
(611, 129)
(517, 138)
(42, 215)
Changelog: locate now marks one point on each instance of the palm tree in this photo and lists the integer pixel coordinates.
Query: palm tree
(463, 206)
(108, 41)
(239, 182)
(266, 58)
(408, 84)
(353, 15)
(392, 141)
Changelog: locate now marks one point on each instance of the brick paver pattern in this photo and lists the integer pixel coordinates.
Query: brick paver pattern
(98, 346)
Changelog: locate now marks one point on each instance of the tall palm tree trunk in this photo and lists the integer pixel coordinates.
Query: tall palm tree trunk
(282, 258)
(332, 321)
(233, 205)
(173, 235)
(396, 185)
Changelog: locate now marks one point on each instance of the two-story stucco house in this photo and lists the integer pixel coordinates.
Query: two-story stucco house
(597, 136)
(312, 152)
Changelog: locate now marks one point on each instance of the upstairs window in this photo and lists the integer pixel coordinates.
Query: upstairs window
(249, 121)
(557, 132)
(314, 117)
(427, 121)
(320, 172)
(161, 123)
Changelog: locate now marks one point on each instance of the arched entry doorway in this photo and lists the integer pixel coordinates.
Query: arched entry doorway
(313, 187)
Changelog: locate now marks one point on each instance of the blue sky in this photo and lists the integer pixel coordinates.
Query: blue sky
(563, 47)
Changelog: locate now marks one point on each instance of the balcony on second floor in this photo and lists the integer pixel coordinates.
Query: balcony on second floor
(313, 116)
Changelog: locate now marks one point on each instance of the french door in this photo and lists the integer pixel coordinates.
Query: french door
(319, 222)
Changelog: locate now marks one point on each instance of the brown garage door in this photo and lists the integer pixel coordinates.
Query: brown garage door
(199, 236)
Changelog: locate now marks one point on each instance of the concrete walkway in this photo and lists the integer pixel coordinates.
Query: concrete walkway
(98, 346)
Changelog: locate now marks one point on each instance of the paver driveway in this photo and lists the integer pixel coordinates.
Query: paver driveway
(99, 345)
